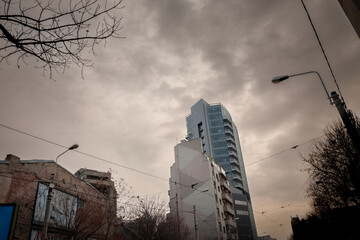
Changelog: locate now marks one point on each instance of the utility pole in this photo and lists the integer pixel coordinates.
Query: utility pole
(348, 120)
(350, 125)
(177, 215)
(44, 235)
(195, 225)
(47, 212)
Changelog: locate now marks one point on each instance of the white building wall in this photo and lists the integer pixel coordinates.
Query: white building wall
(193, 168)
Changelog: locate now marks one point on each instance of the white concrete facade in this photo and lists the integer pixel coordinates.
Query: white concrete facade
(198, 183)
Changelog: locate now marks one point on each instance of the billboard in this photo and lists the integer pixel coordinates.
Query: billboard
(8, 217)
(63, 208)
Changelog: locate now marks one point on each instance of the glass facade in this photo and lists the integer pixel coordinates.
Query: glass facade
(213, 124)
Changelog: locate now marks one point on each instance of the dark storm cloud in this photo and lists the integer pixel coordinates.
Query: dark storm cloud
(131, 106)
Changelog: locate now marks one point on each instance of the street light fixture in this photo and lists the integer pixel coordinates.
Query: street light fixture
(281, 78)
(74, 146)
(50, 194)
(345, 114)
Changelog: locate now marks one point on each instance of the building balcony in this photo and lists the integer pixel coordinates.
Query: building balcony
(230, 139)
(226, 197)
(230, 132)
(227, 121)
(235, 162)
(228, 128)
(225, 184)
(236, 170)
(229, 209)
(237, 178)
(222, 175)
(227, 124)
(239, 186)
(230, 222)
(231, 146)
(233, 154)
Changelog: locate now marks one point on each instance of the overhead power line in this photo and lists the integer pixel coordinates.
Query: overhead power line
(138, 171)
(161, 178)
(278, 153)
(322, 49)
(101, 159)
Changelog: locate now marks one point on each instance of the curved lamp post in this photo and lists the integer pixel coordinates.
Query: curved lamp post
(50, 194)
(279, 79)
(345, 114)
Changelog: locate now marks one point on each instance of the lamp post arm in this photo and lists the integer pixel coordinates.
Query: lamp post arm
(322, 82)
(56, 163)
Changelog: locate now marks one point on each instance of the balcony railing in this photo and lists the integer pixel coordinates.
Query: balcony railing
(230, 222)
(227, 197)
(225, 184)
(233, 154)
(234, 161)
(228, 208)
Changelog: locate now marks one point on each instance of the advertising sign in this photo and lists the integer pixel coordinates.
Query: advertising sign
(8, 217)
(63, 208)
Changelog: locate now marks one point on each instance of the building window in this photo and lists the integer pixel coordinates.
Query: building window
(243, 203)
(93, 177)
(241, 212)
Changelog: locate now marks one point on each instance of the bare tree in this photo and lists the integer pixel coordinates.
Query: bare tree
(150, 212)
(152, 221)
(56, 32)
(95, 218)
(172, 228)
(334, 171)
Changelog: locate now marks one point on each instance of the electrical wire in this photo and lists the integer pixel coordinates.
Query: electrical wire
(269, 219)
(142, 172)
(278, 153)
(101, 159)
(323, 51)
(290, 202)
(151, 175)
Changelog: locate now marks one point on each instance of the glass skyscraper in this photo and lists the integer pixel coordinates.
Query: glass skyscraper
(219, 137)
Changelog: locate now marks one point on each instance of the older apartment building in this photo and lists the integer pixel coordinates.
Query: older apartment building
(78, 209)
(200, 193)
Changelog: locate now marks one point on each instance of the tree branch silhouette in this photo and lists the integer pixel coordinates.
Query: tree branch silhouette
(56, 33)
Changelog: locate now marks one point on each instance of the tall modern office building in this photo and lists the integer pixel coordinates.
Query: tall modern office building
(213, 124)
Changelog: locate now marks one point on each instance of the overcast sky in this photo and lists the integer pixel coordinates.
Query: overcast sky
(130, 108)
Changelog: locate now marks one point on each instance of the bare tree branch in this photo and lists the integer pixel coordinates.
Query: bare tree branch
(56, 33)
(333, 166)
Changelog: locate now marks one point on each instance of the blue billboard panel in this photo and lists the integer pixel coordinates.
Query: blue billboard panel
(8, 216)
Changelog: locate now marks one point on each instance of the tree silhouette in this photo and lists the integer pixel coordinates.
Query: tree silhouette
(56, 33)
(151, 221)
(334, 171)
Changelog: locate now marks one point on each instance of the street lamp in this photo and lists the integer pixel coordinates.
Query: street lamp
(194, 211)
(281, 78)
(345, 114)
(50, 194)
